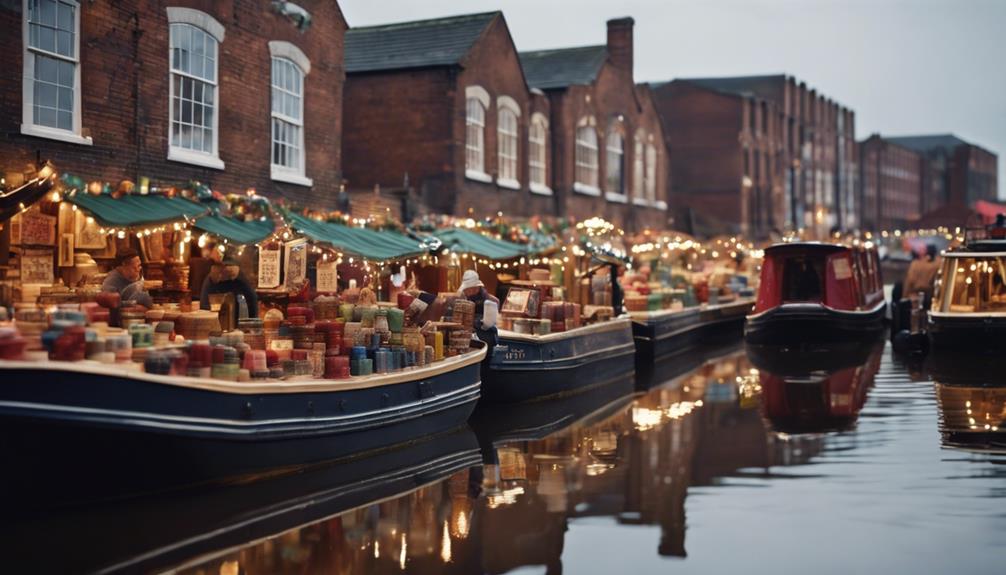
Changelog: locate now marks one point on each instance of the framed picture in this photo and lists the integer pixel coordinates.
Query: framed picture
(88, 232)
(153, 247)
(37, 229)
(295, 260)
(66, 250)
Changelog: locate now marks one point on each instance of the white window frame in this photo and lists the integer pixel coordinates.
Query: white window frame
(211, 26)
(28, 126)
(472, 170)
(279, 50)
(507, 105)
(615, 134)
(539, 163)
(582, 155)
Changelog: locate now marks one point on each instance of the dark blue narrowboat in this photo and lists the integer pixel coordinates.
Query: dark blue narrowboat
(188, 527)
(661, 334)
(529, 367)
(90, 430)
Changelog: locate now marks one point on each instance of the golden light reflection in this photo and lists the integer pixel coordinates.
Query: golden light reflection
(505, 497)
(644, 418)
(445, 544)
(404, 552)
(230, 568)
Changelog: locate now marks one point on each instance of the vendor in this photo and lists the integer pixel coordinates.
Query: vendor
(127, 280)
(225, 277)
(486, 307)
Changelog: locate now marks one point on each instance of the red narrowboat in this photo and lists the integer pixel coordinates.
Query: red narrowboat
(813, 292)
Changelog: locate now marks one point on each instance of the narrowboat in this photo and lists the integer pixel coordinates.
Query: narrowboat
(88, 430)
(664, 333)
(188, 527)
(526, 367)
(969, 299)
(812, 292)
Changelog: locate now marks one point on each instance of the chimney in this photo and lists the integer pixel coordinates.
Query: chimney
(620, 43)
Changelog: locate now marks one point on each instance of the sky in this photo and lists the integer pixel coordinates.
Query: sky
(904, 66)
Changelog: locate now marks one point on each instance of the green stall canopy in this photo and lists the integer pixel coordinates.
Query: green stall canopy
(366, 243)
(136, 210)
(465, 241)
(251, 232)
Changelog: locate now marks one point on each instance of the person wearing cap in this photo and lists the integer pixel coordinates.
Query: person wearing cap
(127, 279)
(486, 307)
(225, 277)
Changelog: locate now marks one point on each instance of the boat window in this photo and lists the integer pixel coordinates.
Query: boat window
(978, 285)
(802, 279)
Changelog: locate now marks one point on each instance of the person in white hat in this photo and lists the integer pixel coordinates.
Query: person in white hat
(486, 307)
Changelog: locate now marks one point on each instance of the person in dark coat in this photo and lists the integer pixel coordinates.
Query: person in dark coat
(226, 277)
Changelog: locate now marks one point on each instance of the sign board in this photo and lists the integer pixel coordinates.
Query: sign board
(328, 277)
(36, 267)
(841, 268)
(268, 266)
(38, 229)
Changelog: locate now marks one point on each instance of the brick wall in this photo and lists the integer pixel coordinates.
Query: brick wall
(124, 81)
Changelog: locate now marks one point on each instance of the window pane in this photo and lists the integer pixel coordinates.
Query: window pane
(45, 95)
(46, 69)
(47, 39)
(66, 73)
(47, 12)
(208, 140)
(65, 121)
(66, 99)
(64, 43)
(65, 20)
(47, 117)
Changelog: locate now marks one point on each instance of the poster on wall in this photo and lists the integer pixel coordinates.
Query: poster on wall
(328, 277)
(268, 265)
(36, 267)
(88, 232)
(37, 229)
(295, 262)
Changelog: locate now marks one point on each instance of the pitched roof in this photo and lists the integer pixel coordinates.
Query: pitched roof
(928, 143)
(748, 86)
(545, 69)
(416, 44)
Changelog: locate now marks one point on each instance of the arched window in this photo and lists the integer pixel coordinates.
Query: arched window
(506, 142)
(638, 162)
(476, 104)
(586, 158)
(537, 148)
(614, 167)
(651, 172)
(193, 90)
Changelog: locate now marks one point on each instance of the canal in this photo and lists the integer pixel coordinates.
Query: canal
(729, 460)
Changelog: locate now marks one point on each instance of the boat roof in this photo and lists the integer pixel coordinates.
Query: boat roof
(979, 248)
(823, 247)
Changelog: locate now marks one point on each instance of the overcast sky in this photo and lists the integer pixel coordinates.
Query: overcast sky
(904, 66)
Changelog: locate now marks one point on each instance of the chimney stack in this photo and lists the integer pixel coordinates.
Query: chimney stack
(620, 43)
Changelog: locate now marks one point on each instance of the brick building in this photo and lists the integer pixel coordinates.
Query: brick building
(758, 155)
(443, 105)
(606, 135)
(231, 94)
(891, 179)
(956, 173)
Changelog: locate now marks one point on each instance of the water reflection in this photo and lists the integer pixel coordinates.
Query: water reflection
(971, 396)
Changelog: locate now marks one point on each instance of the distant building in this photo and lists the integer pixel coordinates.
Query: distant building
(758, 155)
(606, 135)
(891, 179)
(443, 103)
(956, 176)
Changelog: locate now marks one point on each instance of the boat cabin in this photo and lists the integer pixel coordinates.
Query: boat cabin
(973, 280)
(834, 275)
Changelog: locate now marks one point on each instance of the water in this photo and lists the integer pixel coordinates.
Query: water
(763, 462)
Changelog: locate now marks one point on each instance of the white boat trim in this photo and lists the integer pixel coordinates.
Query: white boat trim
(973, 314)
(615, 324)
(819, 307)
(256, 387)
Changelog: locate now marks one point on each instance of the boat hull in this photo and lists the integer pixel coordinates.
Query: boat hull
(975, 334)
(128, 434)
(526, 368)
(812, 323)
(661, 335)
